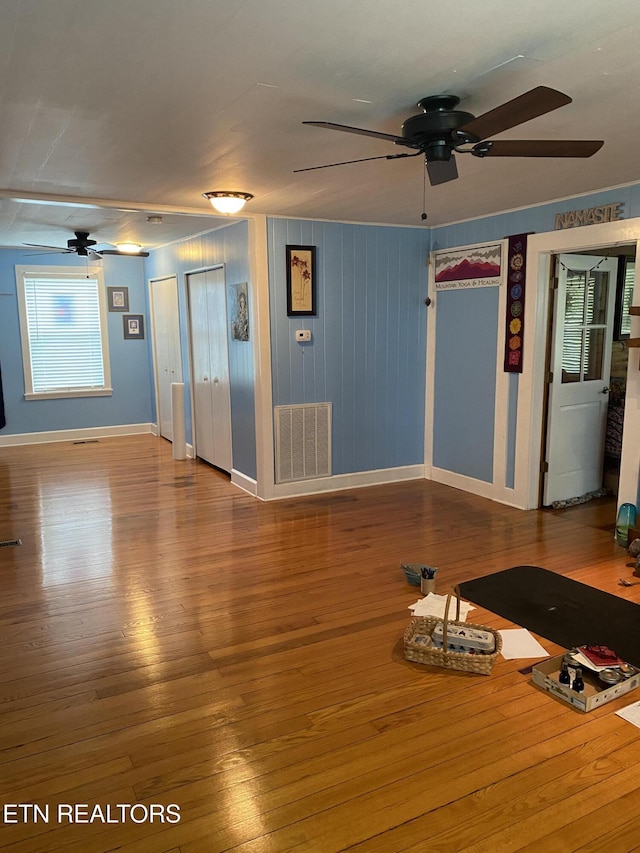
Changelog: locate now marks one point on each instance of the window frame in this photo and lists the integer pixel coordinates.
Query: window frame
(623, 265)
(37, 271)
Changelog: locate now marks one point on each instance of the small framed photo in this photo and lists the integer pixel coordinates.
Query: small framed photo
(239, 311)
(301, 281)
(118, 298)
(133, 326)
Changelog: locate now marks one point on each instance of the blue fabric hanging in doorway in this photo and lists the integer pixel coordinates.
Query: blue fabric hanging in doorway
(3, 420)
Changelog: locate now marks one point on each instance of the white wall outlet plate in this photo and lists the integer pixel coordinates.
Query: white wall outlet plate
(303, 335)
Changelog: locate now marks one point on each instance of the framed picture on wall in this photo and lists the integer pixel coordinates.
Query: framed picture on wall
(118, 298)
(301, 281)
(133, 326)
(240, 311)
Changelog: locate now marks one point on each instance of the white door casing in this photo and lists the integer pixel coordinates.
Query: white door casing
(581, 364)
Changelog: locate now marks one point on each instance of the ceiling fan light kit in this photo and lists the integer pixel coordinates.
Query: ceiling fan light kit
(442, 131)
(228, 201)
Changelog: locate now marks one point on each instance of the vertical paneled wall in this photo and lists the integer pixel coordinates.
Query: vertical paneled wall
(367, 354)
(131, 373)
(228, 246)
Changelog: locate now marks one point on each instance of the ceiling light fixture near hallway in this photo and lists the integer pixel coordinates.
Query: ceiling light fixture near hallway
(129, 248)
(227, 201)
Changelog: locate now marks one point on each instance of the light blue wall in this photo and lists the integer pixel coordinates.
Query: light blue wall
(228, 246)
(532, 220)
(452, 450)
(130, 359)
(367, 355)
(465, 381)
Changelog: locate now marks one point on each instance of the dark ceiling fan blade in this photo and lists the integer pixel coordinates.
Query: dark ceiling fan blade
(442, 171)
(389, 137)
(123, 254)
(537, 148)
(531, 104)
(361, 160)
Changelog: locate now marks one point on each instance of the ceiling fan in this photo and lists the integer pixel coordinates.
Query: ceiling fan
(441, 130)
(81, 245)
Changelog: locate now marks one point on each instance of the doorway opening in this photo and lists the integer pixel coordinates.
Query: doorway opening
(586, 377)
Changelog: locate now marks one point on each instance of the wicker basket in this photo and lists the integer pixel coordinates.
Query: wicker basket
(481, 664)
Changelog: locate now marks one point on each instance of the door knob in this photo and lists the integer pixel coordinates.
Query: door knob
(605, 390)
(205, 378)
(215, 380)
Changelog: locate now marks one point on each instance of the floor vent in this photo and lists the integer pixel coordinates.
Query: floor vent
(303, 442)
(10, 542)
(86, 441)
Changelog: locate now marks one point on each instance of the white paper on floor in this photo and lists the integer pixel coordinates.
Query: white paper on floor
(519, 643)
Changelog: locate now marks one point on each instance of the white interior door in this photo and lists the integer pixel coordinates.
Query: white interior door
(581, 365)
(166, 348)
(210, 366)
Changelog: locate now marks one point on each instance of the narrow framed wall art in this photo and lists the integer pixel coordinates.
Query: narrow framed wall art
(301, 281)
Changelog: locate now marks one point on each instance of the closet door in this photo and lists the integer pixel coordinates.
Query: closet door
(166, 348)
(210, 366)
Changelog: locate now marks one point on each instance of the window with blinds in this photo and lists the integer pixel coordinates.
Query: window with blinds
(585, 325)
(63, 325)
(627, 297)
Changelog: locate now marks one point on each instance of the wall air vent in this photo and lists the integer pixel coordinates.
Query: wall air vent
(303, 442)
(8, 542)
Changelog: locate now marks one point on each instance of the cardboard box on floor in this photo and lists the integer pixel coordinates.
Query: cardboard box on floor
(595, 694)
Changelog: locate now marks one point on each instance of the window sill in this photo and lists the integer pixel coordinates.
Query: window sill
(68, 394)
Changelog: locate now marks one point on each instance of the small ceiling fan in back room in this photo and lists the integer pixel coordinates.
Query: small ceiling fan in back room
(84, 247)
(442, 131)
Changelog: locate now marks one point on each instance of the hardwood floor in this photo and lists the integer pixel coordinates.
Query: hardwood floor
(168, 639)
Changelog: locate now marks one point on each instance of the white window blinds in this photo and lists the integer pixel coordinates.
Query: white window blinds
(65, 352)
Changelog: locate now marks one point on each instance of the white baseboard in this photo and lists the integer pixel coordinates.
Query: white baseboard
(75, 434)
(340, 482)
(247, 484)
(476, 487)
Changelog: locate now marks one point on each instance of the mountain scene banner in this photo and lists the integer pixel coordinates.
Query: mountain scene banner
(463, 268)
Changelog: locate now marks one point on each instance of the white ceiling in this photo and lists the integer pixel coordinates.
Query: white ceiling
(142, 105)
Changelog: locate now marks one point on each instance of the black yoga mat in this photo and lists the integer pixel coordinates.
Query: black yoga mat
(562, 610)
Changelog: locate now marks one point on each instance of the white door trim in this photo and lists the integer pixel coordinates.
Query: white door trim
(261, 332)
(529, 426)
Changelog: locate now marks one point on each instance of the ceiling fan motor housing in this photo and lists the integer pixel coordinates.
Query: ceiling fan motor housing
(81, 243)
(433, 131)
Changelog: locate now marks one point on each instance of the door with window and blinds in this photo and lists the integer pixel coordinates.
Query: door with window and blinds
(580, 369)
